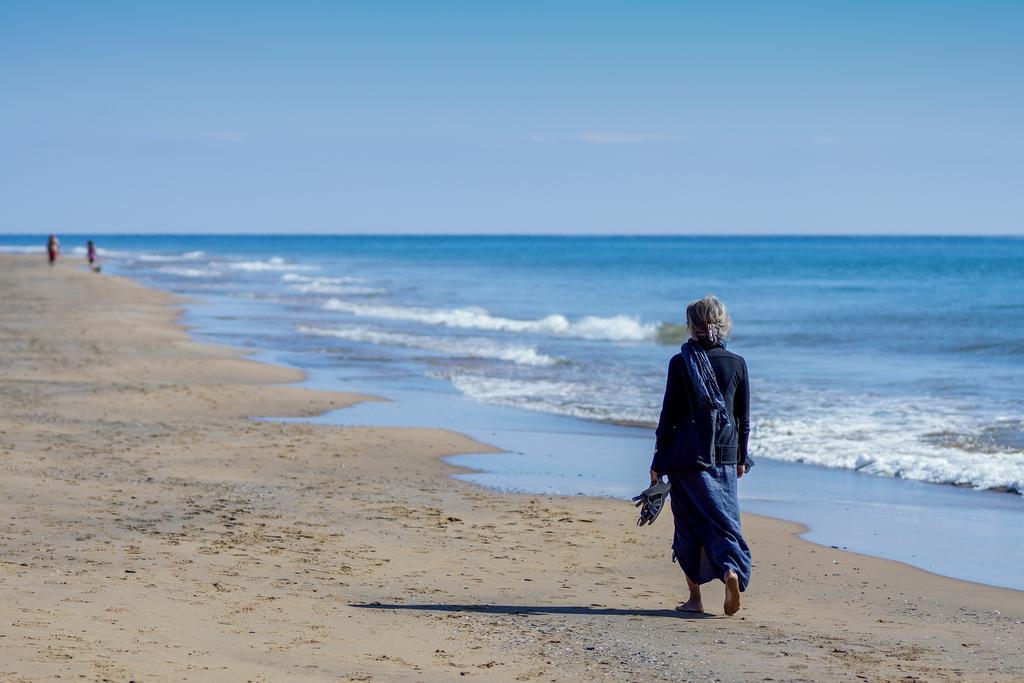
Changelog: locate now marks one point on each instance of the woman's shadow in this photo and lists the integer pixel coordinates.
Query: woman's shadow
(539, 609)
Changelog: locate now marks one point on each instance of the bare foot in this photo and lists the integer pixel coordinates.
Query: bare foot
(732, 593)
(691, 605)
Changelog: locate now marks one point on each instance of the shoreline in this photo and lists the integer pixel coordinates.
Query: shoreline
(204, 543)
(908, 521)
(798, 529)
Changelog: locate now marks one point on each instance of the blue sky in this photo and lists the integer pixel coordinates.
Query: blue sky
(566, 117)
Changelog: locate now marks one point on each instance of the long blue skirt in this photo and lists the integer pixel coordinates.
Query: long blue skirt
(708, 539)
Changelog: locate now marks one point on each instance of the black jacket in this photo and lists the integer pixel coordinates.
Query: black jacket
(731, 372)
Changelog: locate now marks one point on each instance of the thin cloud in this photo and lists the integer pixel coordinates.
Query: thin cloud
(827, 140)
(603, 137)
(231, 137)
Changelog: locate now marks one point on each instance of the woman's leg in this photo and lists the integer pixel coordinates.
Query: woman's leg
(709, 541)
(722, 536)
(732, 592)
(693, 604)
(686, 548)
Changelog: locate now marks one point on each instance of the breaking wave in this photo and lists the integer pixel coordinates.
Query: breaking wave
(927, 440)
(142, 256)
(923, 440)
(327, 288)
(22, 249)
(305, 284)
(616, 328)
(464, 347)
(298, 277)
(546, 396)
(189, 272)
(273, 264)
(187, 256)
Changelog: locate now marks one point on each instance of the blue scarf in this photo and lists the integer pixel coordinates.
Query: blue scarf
(705, 384)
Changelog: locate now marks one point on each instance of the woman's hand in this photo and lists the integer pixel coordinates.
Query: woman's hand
(740, 470)
(655, 477)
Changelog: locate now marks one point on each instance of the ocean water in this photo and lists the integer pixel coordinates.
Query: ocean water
(875, 361)
(900, 357)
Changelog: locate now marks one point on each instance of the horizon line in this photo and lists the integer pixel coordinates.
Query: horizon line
(513, 234)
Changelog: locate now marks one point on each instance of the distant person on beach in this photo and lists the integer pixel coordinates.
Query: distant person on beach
(90, 252)
(52, 249)
(702, 448)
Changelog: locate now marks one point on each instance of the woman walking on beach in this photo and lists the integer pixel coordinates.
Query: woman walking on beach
(702, 448)
(52, 249)
(90, 253)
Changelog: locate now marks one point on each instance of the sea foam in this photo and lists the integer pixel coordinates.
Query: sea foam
(22, 249)
(543, 395)
(273, 264)
(616, 328)
(463, 347)
(159, 258)
(327, 288)
(189, 272)
(891, 437)
(306, 284)
(341, 280)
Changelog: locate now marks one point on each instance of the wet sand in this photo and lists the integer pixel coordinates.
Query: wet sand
(151, 531)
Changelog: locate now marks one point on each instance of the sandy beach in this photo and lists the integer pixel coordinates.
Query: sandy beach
(152, 531)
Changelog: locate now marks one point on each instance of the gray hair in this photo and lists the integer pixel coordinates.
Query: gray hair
(708, 320)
